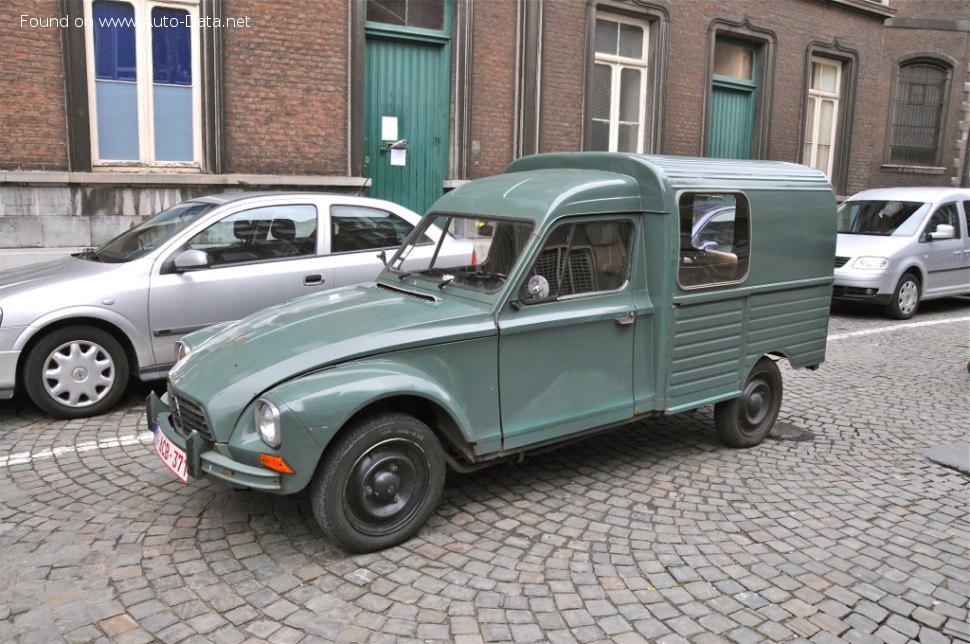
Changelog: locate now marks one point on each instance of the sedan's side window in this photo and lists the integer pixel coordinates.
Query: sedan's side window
(271, 232)
(583, 257)
(354, 228)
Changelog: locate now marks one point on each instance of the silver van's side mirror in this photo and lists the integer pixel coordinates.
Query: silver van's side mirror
(191, 260)
(943, 231)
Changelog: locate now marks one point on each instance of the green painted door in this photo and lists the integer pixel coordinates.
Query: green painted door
(734, 93)
(406, 95)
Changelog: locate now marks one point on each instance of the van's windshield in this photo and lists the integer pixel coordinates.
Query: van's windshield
(476, 253)
(886, 218)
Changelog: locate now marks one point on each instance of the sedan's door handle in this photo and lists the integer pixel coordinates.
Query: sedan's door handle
(313, 280)
(627, 319)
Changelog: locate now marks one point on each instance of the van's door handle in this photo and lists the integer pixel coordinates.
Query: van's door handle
(627, 319)
(313, 280)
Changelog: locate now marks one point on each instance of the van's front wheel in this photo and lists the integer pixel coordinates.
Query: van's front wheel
(379, 483)
(746, 420)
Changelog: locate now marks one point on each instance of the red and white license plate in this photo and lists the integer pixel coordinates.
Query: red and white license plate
(171, 454)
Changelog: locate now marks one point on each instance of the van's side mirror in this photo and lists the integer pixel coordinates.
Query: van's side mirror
(943, 231)
(192, 260)
(537, 288)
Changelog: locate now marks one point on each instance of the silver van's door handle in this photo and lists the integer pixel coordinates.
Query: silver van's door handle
(313, 280)
(627, 319)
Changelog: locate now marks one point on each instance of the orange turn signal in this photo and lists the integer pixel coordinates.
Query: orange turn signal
(275, 463)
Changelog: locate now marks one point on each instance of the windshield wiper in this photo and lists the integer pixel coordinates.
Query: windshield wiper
(88, 253)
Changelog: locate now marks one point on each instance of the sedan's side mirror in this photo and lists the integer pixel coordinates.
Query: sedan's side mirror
(943, 231)
(192, 260)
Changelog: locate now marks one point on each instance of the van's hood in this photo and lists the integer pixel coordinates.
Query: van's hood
(869, 245)
(242, 360)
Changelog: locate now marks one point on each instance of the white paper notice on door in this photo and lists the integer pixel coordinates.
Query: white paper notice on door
(389, 128)
(399, 157)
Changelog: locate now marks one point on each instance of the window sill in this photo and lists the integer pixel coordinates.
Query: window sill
(913, 169)
(872, 7)
(176, 179)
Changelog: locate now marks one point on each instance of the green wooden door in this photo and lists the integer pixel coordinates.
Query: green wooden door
(406, 94)
(734, 93)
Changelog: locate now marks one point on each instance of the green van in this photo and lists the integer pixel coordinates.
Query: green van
(596, 288)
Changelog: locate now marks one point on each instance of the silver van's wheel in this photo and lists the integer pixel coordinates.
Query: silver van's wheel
(76, 372)
(747, 420)
(905, 298)
(378, 483)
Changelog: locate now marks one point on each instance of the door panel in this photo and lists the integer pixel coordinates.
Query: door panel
(732, 122)
(406, 93)
(946, 270)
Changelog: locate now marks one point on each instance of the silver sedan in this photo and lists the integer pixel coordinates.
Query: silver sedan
(73, 331)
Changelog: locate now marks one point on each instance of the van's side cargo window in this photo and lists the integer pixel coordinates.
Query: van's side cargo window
(714, 235)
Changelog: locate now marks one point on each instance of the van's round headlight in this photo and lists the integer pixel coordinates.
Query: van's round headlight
(268, 423)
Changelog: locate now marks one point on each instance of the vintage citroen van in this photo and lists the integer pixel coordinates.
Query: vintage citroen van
(602, 287)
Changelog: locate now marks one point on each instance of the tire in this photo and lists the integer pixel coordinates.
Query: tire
(905, 298)
(378, 483)
(747, 420)
(76, 372)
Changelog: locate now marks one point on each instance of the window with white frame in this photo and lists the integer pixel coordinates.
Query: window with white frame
(143, 82)
(619, 89)
(821, 114)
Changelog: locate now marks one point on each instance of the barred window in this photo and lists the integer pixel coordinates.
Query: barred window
(917, 117)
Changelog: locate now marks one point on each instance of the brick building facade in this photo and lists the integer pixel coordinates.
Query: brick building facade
(275, 96)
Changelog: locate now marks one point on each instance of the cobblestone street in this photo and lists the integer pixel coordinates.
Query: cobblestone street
(836, 529)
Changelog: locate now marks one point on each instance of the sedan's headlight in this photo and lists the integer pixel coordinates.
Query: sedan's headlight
(268, 423)
(870, 263)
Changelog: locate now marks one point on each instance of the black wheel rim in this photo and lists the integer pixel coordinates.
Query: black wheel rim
(387, 486)
(756, 405)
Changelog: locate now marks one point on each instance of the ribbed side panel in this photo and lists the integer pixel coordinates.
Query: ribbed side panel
(791, 322)
(713, 345)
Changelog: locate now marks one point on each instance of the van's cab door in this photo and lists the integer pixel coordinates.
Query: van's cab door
(566, 339)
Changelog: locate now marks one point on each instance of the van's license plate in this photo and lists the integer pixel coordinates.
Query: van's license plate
(171, 454)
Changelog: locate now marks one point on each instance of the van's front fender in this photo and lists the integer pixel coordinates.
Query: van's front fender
(326, 400)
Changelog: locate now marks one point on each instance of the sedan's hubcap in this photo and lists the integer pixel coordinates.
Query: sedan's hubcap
(78, 373)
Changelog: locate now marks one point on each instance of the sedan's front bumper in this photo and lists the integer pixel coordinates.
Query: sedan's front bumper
(205, 459)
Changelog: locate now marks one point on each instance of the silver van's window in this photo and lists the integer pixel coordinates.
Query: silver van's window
(715, 232)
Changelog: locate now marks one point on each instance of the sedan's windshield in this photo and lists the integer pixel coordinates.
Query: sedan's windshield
(886, 218)
(475, 253)
(149, 235)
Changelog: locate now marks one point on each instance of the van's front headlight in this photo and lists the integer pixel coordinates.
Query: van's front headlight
(268, 423)
(871, 263)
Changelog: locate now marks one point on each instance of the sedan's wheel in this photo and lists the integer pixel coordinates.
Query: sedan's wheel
(76, 372)
(746, 420)
(905, 298)
(379, 482)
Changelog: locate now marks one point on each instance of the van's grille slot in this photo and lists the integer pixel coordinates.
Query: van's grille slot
(188, 415)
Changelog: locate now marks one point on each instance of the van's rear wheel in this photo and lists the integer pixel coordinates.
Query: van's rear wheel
(379, 483)
(746, 420)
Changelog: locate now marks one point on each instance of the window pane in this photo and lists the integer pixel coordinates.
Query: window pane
(602, 83)
(722, 59)
(627, 136)
(810, 121)
(630, 95)
(114, 41)
(918, 110)
(173, 123)
(714, 233)
(392, 12)
(427, 14)
(631, 41)
(825, 77)
(353, 228)
(260, 234)
(117, 105)
(585, 258)
(735, 61)
(822, 158)
(606, 36)
(600, 136)
(826, 122)
(171, 46)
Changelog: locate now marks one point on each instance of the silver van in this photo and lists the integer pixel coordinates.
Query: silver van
(899, 246)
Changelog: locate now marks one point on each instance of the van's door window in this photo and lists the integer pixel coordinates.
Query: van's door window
(714, 235)
(584, 257)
